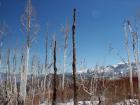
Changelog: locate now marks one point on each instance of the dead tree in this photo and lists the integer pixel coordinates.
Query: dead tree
(128, 55)
(50, 64)
(65, 31)
(0, 53)
(46, 66)
(135, 45)
(8, 70)
(27, 24)
(74, 57)
(3, 32)
(55, 74)
(14, 70)
(14, 83)
(33, 79)
(30, 28)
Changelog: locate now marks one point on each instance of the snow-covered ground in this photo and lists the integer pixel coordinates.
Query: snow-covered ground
(79, 103)
(125, 102)
(128, 102)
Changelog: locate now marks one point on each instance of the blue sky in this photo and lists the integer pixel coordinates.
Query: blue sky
(99, 24)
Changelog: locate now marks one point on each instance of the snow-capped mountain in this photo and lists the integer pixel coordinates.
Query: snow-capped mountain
(117, 70)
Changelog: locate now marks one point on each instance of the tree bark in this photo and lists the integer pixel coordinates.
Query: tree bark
(55, 73)
(74, 57)
(129, 61)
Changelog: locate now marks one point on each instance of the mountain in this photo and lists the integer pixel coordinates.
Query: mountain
(110, 71)
(118, 70)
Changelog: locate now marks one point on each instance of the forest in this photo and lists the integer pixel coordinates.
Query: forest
(25, 79)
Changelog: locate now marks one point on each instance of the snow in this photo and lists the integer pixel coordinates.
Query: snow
(80, 103)
(125, 102)
(128, 102)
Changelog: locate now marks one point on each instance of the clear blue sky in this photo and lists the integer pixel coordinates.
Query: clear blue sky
(99, 23)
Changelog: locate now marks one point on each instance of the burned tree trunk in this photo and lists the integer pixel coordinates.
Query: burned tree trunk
(55, 73)
(74, 58)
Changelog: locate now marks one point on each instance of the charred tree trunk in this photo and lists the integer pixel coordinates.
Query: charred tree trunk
(74, 58)
(46, 57)
(55, 73)
(99, 100)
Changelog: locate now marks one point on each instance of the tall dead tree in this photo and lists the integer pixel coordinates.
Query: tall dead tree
(128, 56)
(33, 79)
(50, 64)
(0, 50)
(46, 57)
(74, 57)
(55, 74)
(9, 83)
(66, 32)
(135, 45)
(14, 70)
(0, 53)
(8, 61)
(3, 32)
(26, 22)
(46, 66)
(30, 27)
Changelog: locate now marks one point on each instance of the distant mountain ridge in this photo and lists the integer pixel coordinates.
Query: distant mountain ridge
(110, 71)
(118, 70)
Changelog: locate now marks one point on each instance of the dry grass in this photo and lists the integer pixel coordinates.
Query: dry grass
(113, 90)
